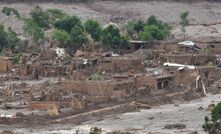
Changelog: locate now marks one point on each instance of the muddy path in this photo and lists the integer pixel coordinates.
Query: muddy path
(153, 120)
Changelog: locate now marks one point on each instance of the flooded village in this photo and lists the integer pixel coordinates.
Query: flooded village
(158, 83)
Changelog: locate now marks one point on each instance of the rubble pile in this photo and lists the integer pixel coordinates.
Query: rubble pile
(144, 54)
(65, 85)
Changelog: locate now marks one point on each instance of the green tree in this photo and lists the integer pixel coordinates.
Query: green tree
(155, 32)
(145, 35)
(32, 30)
(216, 112)
(60, 36)
(3, 38)
(184, 22)
(40, 17)
(8, 11)
(152, 20)
(8, 39)
(130, 29)
(154, 29)
(94, 29)
(163, 27)
(77, 37)
(12, 39)
(138, 26)
(55, 15)
(112, 40)
(211, 124)
(67, 23)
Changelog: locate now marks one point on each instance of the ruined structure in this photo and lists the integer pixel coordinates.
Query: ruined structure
(5, 64)
(60, 85)
(190, 59)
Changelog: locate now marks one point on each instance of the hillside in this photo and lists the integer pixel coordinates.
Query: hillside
(208, 13)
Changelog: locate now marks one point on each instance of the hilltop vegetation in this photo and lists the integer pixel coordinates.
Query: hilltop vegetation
(68, 31)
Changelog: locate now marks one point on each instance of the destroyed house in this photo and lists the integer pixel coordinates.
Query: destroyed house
(154, 45)
(120, 64)
(107, 88)
(135, 45)
(42, 70)
(53, 71)
(188, 75)
(155, 82)
(5, 65)
(191, 59)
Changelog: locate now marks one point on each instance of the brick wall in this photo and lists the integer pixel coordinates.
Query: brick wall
(111, 88)
(146, 81)
(199, 59)
(5, 65)
(120, 64)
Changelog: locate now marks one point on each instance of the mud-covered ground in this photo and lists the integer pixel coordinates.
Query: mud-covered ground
(205, 19)
(153, 120)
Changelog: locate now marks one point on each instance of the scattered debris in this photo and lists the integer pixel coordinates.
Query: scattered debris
(200, 108)
(7, 132)
(179, 66)
(189, 44)
(60, 52)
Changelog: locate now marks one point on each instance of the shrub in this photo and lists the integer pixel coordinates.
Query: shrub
(215, 117)
(152, 20)
(152, 29)
(32, 30)
(40, 17)
(67, 23)
(95, 130)
(145, 35)
(94, 29)
(77, 37)
(184, 22)
(55, 15)
(60, 36)
(139, 26)
(11, 11)
(112, 40)
(16, 58)
(12, 39)
(3, 38)
(155, 32)
(21, 46)
(8, 39)
(216, 112)
(130, 29)
(95, 77)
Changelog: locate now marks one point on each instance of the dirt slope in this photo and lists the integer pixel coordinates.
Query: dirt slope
(120, 12)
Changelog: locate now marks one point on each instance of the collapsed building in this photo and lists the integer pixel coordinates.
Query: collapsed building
(5, 64)
(190, 59)
(145, 72)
